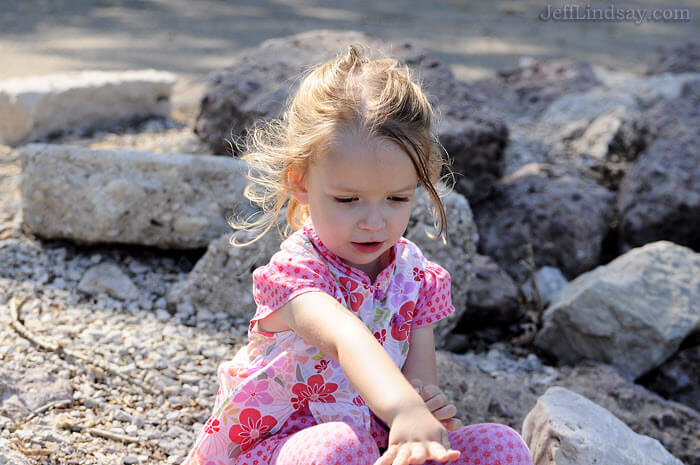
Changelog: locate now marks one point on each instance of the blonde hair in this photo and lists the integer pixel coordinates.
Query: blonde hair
(350, 93)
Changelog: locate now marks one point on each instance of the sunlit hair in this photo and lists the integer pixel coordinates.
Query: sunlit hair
(352, 93)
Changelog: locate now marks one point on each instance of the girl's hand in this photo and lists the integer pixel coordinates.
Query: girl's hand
(436, 401)
(415, 436)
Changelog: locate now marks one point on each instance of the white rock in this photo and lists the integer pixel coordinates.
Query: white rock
(549, 281)
(110, 279)
(632, 313)
(32, 107)
(565, 428)
(126, 196)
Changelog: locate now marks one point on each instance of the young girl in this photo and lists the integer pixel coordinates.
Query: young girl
(345, 308)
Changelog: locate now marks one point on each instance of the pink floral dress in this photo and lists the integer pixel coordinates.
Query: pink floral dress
(277, 374)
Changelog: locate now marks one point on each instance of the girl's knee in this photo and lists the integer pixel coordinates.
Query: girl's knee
(491, 443)
(330, 443)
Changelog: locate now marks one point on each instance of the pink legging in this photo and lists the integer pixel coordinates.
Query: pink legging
(303, 442)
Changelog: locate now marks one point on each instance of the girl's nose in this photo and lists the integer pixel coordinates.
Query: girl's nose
(372, 220)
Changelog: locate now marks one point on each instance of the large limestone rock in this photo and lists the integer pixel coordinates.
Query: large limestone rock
(565, 428)
(632, 313)
(38, 106)
(92, 196)
(564, 219)
(261, 79)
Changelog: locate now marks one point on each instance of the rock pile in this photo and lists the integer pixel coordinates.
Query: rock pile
(120, 292)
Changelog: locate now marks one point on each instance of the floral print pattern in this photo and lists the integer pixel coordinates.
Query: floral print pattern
(277, 374)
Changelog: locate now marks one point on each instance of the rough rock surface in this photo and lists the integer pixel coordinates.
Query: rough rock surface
(456, 257)
(549, 281)
(537, 83)
(35, 107)
(174, 200)
(632, 313)
(493, 297)
(659, 197)
(108, 278)
(564, 219)
(681, 59)
(222, 280)
(677, 378)
(565, 428)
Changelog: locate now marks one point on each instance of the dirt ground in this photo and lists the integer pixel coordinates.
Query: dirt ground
(192, 38)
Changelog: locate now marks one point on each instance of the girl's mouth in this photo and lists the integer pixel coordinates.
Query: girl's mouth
(367, 247)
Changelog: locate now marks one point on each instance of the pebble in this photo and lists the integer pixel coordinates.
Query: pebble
(131, 460)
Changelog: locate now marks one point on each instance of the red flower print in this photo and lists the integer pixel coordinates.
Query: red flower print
(355, 299)
(358, 401)
(316, 391)
(321, 366)
(212, 426)
(380, 336)
(401, 322)
(251, 428)
(418, 275)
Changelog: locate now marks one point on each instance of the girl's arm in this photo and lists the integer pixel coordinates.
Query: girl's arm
(420, 369)
(324, 323)
(420, 361)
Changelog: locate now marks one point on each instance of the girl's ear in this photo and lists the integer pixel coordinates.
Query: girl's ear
(297, 184)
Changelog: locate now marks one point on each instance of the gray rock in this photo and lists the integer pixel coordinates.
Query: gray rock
(659, 198)
(678, 378)
(680, 59)
(493, 298)
(92, 196)
(476, 146)
(632, 313)
(25, 390)
(109, 279)
(222, 280)
(549, 281)
(38, 106)
(586, 106)
(564, 219)
(456, 257)
(565, 428)
(537, 83)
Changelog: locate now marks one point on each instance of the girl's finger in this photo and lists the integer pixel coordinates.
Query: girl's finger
(445, 412)
(388, 456)
(402, 455)
(419, 453)
(438, 452)
(436, 402)
(452, 424)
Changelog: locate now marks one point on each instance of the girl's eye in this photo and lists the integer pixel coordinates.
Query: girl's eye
(344, 199)
(399, 199)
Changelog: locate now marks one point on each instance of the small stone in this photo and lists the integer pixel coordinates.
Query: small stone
(131, 460)
(162, 315)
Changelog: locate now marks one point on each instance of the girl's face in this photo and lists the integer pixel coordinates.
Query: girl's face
(359, 197)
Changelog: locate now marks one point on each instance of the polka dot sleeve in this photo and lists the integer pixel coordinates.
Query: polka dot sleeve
(287, 276)
(434, 300)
